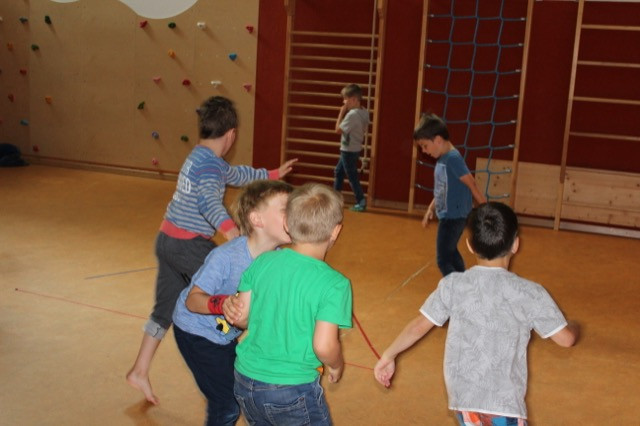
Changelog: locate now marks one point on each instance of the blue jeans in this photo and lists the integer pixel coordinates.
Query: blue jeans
(212, 368)
(348, 164)
(268, 404)
(447, 254)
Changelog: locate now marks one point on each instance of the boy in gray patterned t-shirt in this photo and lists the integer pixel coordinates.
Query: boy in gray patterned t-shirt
(491, 312)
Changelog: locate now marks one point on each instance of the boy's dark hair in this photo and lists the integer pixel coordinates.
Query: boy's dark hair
(253, 196)
(429, 127)
(493, 228)
(352, 90)
(216, 116)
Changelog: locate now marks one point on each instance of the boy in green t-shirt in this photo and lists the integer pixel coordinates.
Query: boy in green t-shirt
(293, 304)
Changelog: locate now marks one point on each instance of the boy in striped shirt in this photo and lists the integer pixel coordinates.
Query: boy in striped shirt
(193, 216)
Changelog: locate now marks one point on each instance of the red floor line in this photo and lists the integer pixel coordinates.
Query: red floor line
(359, 366)
(62, 299)
(365, 336)
(79, 303)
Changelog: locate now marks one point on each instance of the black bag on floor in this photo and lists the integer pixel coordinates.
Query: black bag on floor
(10, 156)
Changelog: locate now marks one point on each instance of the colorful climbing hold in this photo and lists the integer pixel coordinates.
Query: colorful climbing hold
(10, 46)
(24, 122)
(47, 19)
(233, 56)
(249, 28)
(216, 83)
(171, 53)
(35, 47)
(171, 25)
(156, 79)
(141, 105)
(48, 99)
(11, 97)
(155, 135)
(184, 138)
(23, 71)
(154, 161)
(201, 25)
(35, 148)
(247, 87)
(186, 82)
(143, 24)
(24, 19)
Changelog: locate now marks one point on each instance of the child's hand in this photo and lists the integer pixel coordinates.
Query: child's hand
(232, 309)
(286, 167)
(334, 373)
(427, 217)
(383, 371)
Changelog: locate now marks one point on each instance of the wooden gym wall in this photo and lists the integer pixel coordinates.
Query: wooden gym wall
(545, 98)
(77, 81)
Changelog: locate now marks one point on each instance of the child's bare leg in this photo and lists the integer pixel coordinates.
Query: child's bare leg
(138, 376)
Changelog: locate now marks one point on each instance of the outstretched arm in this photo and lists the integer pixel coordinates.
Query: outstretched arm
(327, 347)
(414, 331)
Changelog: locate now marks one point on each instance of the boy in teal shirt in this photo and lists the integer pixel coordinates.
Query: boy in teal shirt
(293, 305)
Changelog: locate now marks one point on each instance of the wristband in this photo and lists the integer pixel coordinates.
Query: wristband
(214, 304)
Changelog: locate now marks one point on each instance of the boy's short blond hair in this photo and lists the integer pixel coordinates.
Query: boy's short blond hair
(313, 211)
(252, 197)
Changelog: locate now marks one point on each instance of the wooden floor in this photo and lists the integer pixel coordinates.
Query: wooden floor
(77, 276)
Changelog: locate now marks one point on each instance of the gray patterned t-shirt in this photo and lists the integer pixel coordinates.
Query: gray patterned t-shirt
(491, 313)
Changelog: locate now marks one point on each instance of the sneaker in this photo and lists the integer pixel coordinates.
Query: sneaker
(358, 208)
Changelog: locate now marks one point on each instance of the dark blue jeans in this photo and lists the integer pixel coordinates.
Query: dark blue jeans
(447, 254)
(348, 164)
(267, 404)
(212, 368)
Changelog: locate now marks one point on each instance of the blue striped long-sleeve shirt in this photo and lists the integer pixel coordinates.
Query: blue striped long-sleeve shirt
(197, 202)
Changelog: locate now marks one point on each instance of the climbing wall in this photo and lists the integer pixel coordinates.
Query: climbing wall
(116, 83)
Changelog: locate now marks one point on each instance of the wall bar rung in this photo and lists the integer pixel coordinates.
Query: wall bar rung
(312, 153)
(611, 27)
(314, 142)
(606, 136)
(607, 100)
(333, 46)
(340, 84)
(329, 71)
(333, 34)
(332, 59)
(610, 64)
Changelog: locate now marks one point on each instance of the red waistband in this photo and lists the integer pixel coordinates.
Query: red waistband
(181, 234)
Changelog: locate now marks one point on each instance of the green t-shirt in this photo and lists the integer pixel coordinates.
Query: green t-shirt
(289, 293)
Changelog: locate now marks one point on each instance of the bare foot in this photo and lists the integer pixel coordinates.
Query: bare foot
(142, 384)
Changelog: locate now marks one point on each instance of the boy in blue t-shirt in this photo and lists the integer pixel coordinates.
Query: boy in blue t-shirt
(454, 188)
(206, 341)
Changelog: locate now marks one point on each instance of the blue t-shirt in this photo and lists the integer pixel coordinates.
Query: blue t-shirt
(453, 198)
(219, 274)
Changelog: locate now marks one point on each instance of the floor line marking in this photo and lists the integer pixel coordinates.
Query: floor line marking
(365, 336)
(411, 277)
(62, 299)
(120, 273)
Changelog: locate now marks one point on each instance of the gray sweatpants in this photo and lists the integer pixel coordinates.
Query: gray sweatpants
(178, 261)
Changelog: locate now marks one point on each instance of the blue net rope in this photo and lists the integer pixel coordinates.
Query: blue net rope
(472, 72)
